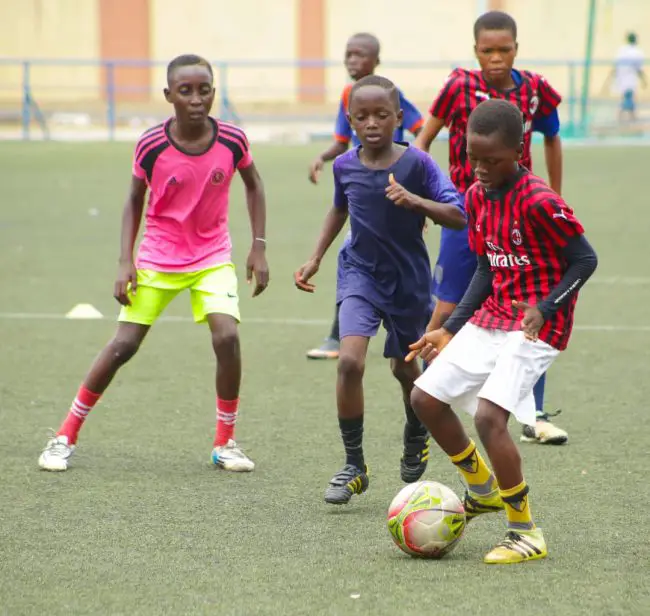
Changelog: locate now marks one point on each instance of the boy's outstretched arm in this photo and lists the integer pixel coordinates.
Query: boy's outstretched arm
(480, 288)
(342, 137)
(549, 126)
(429, 132)
(256, 200)
(131, 217)
(336, 149)
(332, 226)
(553, 157)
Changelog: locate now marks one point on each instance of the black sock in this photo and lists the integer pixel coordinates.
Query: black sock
(414, 426)
(334, 334)
(352, 435)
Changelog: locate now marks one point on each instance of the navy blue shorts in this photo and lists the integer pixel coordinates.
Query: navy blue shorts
(455, 266)
(358, 317)
(628, 103)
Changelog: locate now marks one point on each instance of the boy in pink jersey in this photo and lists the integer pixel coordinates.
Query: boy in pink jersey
(187, 163)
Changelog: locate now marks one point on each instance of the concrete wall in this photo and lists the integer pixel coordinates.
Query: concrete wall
(50, 29)
(262, 30)
(248, 30)
(434, 31)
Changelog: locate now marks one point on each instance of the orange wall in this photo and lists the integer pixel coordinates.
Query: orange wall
(126, 39)
(311, 38)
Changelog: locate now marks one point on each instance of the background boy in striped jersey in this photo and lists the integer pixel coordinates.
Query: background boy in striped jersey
(495, 35)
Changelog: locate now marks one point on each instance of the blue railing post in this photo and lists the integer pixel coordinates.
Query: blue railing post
(573, 96)
(223, 90)
(27, 100)
(110, 99)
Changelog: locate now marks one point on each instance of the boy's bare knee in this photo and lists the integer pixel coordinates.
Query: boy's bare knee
(403, 372)
(424, 404)
(490, 419)
(351, 366)
(225, 341)
(123, 348)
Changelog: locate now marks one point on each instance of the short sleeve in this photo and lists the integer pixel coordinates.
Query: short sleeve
(473, 227)
(340, 198)
(549, 98)
(412, 120)
(243, 158)
(444, 104)
(138, 171)
(342, 128)
(555, 218)
(548, 125)
(438, 187)
(247, 158)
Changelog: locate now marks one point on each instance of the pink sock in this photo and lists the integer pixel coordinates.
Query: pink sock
(81, 406)
(226, 419)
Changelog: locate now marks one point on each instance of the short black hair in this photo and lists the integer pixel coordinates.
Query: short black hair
(372, 40)
(380, 82)
(498, 116)
(495, 20)
(631, 38)
(188, 59)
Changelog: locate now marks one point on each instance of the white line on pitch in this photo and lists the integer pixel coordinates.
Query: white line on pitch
(45, 316)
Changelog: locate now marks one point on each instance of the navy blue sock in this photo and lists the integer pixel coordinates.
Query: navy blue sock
(352, 435)
(334, 333)
(538, 392)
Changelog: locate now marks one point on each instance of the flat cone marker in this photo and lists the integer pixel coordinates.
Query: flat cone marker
(84, 311)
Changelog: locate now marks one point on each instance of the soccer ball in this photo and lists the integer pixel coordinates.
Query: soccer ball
(426, 519)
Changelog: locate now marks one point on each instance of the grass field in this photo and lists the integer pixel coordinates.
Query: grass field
(143, 525)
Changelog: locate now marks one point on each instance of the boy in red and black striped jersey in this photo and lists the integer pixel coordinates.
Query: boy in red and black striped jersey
(495, 34)
(512, 322)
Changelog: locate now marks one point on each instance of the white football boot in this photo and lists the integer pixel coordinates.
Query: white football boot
(230, 457)
(56, 455)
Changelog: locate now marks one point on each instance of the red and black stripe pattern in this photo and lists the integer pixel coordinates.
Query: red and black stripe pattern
(464, 90)
(522, 230)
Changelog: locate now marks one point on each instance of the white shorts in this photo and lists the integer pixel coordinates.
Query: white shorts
(497, 365)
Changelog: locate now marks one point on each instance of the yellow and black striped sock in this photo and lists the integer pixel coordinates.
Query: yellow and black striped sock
(477, 474)
(518, 507)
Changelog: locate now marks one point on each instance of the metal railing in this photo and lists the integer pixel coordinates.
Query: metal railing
(37, 91)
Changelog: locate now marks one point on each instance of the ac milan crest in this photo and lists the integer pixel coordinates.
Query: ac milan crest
(516, 237)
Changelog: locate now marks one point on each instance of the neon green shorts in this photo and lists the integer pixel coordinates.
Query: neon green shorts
(212, 290)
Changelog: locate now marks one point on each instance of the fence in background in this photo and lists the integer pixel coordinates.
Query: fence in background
(107, 100)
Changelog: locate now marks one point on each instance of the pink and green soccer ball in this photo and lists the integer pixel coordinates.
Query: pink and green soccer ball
(426, 519)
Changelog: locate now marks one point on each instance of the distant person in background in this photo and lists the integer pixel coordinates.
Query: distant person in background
(627, 74)
(361, 60)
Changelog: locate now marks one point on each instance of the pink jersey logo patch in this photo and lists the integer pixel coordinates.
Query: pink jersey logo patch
(218, 176)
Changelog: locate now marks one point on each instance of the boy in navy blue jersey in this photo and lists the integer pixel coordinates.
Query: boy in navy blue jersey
(361, 60)
(387, 189)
